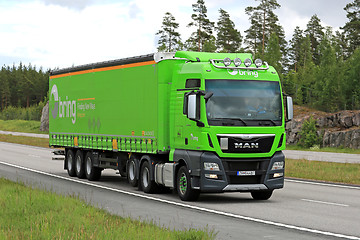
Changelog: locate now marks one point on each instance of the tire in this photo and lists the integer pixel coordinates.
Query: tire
(132, 172)
(261, 195)
(70, 163)
(183, 185)
(147, 185)
(80, 164)
(92, 173)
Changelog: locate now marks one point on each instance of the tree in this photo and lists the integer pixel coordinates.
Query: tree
(263, 22)
(5, 89)
(351, 80)
(204, 27)
(316, 33)
(352, 27)
(273, 53)
(169, 37)
(228, 38)
(329, 80)
(308, 134)
(295, 48)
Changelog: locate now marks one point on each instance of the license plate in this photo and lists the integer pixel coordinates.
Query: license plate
(245, 173)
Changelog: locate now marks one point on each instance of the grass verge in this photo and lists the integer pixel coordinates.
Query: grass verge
(325, 149)
(33, 141)
(21, 126)
(28, 213)
(347, 173)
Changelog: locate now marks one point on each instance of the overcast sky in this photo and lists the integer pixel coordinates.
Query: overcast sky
(62, 33)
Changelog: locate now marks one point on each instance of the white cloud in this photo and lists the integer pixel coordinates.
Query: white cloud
(60, 33)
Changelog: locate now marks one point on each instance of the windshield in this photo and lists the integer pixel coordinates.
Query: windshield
(243, 102)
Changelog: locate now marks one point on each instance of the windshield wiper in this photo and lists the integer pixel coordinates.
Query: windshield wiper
(272, 121)
(237, 119)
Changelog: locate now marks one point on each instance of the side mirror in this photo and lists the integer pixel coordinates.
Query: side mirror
(208, 95)
(193, 107)
(289, 108)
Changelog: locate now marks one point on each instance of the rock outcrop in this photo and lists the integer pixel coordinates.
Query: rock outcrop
(341, 129)
(44, 121)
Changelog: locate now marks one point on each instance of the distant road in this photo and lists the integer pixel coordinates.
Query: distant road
(25, 134)
(292, 154)
(323, 156)
(302, 210)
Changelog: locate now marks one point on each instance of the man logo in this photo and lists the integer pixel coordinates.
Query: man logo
(62, 109)
(246, 145)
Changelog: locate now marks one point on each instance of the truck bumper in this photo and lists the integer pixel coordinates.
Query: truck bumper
(241, 175)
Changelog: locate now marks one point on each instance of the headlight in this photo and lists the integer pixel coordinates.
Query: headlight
(209, 166)
(237, 62)
(277, 165)
(258, 62)
(247, 62)
(227, 62)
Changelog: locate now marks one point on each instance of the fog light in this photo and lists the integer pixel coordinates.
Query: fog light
(278, 175)
(278, 165)
(237, 62)
(258, 63)
(227, 62)
(210, 166)
(212, 176)
(247, 62)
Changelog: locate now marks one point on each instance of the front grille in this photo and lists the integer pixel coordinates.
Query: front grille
(242, 143)
(232, 166)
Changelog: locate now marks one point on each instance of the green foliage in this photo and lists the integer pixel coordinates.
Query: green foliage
(352, 27)
(273, 53)
(204, 28)
(22, 86)
(347, 173)
(315, 33)
(308, 134)
(228, 38)
(33, 214)
(263, 22)
(169, 37)
(25, 126)
(20, 113)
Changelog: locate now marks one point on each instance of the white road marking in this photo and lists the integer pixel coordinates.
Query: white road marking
(322, 184)
(207, 210)
(328, 203)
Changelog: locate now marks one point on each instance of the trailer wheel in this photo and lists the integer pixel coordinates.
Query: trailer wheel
(79, 164)
(183, 186)
(92, 173)
(147, 185)
(131, 172)
(261, 195)
(70, 163)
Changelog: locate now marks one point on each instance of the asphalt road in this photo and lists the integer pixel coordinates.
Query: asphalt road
(302, 210)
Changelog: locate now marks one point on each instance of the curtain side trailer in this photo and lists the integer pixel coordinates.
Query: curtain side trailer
(195, 122)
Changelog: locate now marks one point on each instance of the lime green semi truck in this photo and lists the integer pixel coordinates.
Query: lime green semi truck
(190, 121)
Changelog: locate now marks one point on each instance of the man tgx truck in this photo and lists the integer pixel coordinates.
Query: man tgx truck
(191, 121)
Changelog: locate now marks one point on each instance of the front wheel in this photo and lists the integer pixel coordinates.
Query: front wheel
(261, 195)
(183, 186)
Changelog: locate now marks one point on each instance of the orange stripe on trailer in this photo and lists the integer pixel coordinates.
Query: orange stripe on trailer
(86, 99)
(130, 65)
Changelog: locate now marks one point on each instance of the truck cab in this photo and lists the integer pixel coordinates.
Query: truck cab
(228, 124)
